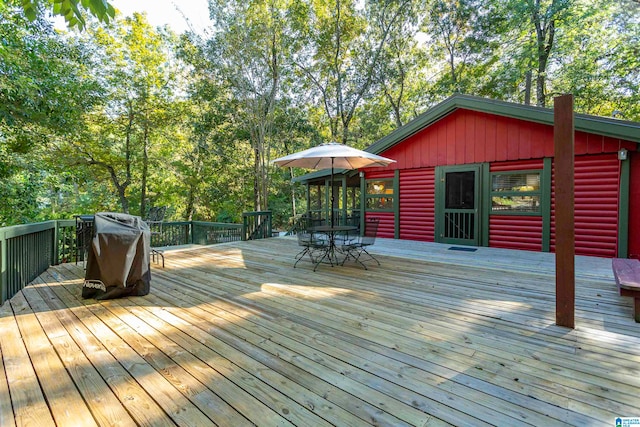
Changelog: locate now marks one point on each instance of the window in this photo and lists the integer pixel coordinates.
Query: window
(516, 192)
(380, 194)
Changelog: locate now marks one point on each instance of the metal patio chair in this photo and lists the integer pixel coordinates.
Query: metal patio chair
(357, 248)
(310, 243)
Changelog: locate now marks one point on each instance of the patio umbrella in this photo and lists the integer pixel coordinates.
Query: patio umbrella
(332, 155)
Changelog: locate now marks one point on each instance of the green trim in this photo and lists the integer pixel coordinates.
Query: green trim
(623, 209)
(526, 213)
(439, 207)
(392, 210)
(485, 204)
(327, 198)
(344, 203)
(396, 203)
(3, 270)
(363, 202)
(545, 206)
(55, 256)
(441, 171)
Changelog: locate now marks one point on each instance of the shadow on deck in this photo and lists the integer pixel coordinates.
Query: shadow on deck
(233, 335)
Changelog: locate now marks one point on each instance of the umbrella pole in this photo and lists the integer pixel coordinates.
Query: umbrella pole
(332, 195)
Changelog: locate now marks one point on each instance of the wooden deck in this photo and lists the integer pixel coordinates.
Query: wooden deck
(233, 335)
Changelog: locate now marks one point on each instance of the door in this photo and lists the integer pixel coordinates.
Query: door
(457, 202)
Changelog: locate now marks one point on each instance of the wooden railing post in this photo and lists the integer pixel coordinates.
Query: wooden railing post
(55, 255)
(3, 268)
(563, 139)
(245, 220)
(256, 225)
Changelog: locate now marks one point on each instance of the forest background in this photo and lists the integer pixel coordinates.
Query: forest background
(122, 116)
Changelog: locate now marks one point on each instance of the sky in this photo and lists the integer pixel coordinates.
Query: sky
(160, 12)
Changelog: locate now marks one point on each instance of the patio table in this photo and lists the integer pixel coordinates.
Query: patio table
(331, 249)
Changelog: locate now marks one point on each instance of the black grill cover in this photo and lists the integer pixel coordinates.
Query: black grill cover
(118, 262)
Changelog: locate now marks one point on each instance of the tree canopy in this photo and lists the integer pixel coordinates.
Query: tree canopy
(123, 116)
(73, 11)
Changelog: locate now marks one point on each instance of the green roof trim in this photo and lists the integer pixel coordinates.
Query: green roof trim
(317, 174)
(611, 127)
(606, 126)
(323, 173)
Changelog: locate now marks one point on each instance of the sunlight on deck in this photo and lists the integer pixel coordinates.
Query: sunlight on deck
(310, 291)
(234, 335)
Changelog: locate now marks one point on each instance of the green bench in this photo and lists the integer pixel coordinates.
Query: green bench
(627, 274)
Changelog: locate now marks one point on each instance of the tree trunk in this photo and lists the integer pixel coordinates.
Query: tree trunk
(190, 202)
(527, 88)
(293, 194)
(545, 32)
(256, 180)
(540, 93)
(145, 169)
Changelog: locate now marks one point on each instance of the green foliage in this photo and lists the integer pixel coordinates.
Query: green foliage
(126, 116)
(45, 91)
(73, 11)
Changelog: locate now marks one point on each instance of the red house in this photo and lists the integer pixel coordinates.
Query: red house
(474, 171)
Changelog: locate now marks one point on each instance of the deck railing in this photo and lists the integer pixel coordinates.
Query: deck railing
(26, 251)
(256, 225)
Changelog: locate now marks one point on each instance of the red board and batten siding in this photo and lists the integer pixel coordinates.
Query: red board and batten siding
(417, 204)
(516, 231)
(466, 136)
(596, 205)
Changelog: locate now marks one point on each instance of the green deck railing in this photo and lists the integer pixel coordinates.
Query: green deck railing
(256, 225)
(26, 251)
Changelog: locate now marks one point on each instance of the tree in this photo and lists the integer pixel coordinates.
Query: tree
(132, 62)
(208, 158)
(538, 40)
(44, 91)
(195, 128)
(339, 51)
(249, 47)
(396, 75)
(73, 11)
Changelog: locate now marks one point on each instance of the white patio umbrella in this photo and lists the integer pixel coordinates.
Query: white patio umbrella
(332, 155)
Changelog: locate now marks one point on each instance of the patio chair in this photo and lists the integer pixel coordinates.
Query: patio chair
(357, 248)
(350, 236)
(310, 244)
(154, 220)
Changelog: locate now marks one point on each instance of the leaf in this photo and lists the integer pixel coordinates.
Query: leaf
(29, 10)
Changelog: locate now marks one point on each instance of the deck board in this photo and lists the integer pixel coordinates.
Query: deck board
(233, 335)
